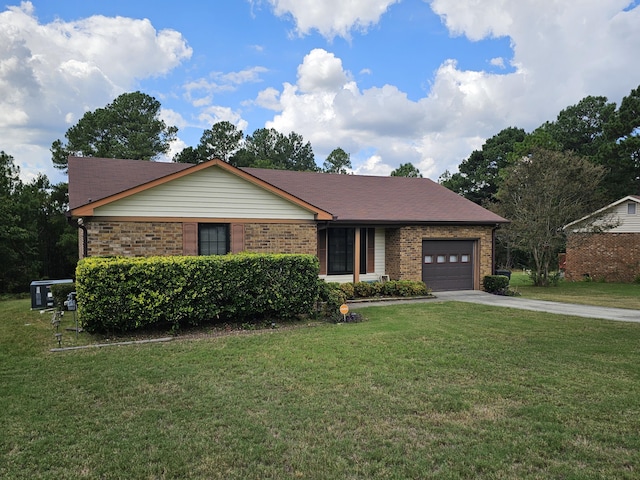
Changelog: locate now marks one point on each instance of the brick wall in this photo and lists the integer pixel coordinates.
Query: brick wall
(404, 248)
(613, 257)
(280, 238)
(392, 253)
(133, 239)
(403, 256)
(139, 239)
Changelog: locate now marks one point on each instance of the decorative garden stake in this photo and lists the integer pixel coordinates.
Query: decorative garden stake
(344, 309)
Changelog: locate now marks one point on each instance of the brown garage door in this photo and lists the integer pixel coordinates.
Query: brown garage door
(447, 264)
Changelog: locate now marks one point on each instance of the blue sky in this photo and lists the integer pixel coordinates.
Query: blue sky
(389, 81)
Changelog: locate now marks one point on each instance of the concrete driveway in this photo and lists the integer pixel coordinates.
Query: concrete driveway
(476, 296)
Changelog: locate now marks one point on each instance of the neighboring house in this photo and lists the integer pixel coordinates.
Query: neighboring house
(611, 250)
(362, 228)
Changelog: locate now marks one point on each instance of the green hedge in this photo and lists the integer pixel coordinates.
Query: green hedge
(392, 288)
(498, 284)
(124, 294)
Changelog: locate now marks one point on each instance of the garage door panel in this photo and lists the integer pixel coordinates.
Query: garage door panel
(448, 264)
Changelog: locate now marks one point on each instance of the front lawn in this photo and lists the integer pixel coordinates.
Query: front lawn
(432, 390)
(619, 295)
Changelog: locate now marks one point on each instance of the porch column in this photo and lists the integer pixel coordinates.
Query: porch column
(356, 256)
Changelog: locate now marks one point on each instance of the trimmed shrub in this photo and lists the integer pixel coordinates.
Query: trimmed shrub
(348, 290)
(331, 297)
(405, 288)
(60, 292)
(363, 290)
(392, 288)
(496, 284)
(124, 294)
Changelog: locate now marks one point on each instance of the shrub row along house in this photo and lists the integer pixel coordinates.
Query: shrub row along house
(362, 228)
(611, 252)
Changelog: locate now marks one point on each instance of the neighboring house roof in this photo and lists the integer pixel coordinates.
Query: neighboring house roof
(346, 198)
(603, 210)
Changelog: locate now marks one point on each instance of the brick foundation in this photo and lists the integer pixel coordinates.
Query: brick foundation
(404, 249)
(612, 257)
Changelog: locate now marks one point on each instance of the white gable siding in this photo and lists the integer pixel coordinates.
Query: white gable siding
(209, 193)
(618, 215)
(629, 223)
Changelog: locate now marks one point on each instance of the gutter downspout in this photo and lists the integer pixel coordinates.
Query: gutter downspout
(79, 224)
(493, 249)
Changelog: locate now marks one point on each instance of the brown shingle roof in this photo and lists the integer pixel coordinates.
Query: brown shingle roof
(92, 179)
(350, 198)
(378, 199)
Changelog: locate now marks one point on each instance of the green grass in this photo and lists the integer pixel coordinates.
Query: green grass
(433, 390)
(619, 295)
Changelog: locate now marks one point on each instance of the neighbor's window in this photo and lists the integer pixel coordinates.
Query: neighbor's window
(213, 239)
(631, 208)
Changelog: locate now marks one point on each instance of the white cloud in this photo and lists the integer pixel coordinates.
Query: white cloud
(562, 52)
(51, 74)
(321, 71)
(332, 17)
(566, 50)
(329, 110)
(269, 99)
(373, 166)
(497, 62)
(201, 92)
(214, 114)
(171, 117)
(175, 147)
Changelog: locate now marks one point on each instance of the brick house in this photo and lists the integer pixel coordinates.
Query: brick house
(361, 227)
(612, 252)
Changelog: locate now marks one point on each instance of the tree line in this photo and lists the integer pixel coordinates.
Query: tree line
(588, 157)
(35, 239)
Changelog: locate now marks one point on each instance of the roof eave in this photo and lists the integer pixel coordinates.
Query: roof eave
(397, 222)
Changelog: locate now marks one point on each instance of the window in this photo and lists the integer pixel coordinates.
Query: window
(428, 259)
(441, 259)
(213, 239)
(341, 250)
(453, 258)
(464, 258)
(631, 208)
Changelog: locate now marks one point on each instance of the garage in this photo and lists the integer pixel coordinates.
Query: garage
(448, 264)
